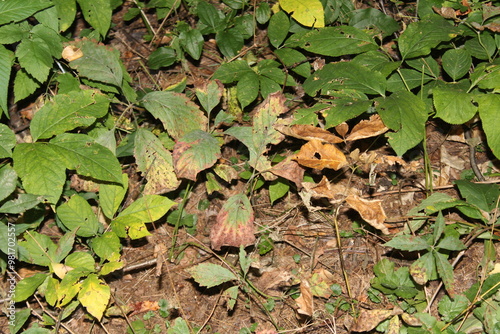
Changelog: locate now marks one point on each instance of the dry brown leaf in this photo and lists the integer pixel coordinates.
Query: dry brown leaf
(320, 281)
(82, 183)
(342, 129)
(371, 211)
(329, 156)
(290, 170)
(305, 300)
(308, 132)
(411, 320)
(367, 128)
(271, 282)
(71, 53)
(369, 319)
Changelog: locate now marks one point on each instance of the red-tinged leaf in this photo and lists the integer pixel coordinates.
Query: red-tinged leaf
(234, 225)
(196, 151)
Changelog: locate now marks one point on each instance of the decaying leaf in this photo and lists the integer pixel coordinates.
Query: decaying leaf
(342, 129)
(368, 128)
(71, 53)
(320, 282)
(290, 170)
(309, 132)
(324, 189)
(234, 226)
(369, 319)
(305, 300)
(329, 156)
(371, 211)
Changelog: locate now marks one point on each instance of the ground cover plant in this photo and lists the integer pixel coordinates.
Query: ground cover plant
(321, 166)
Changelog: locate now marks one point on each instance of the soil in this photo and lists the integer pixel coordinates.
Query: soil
(303, 242)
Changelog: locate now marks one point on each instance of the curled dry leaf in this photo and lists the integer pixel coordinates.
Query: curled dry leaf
(234, 226)
(290, 170)
(367, 128)
(308, 132)
(305, 300)
(329, 156)
(342, 129)
(71, 53)
(324, 189)
(371, 211)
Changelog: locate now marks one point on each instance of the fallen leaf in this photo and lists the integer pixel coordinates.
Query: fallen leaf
(320, 281)
(290, 170)
(371, 211)
(305, 300)
(318, 155)
(367, 128)
(234, 226)
(71, 53)
(342, 129)
(369, 319)
(309, 132)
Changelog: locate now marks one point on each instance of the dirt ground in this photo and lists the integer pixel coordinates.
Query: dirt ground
(149, 276)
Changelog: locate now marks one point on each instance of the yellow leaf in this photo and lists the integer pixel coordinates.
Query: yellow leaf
(94, 295)
(307, 12)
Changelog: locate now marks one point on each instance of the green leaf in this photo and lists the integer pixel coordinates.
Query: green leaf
(87, 157)
(234, 226)
(423, 269)
(209, 94)
(371, 18)
(482, 47)
(484, 196)
(23, 203)
(420, 37)
(177, 113)
(7, 141)
(180, 326)
(37, 249)
(110, 267)
(162, 57)
(247, 89)
(19, 320)
(8, 180)
(232, 296)
(439, 227)
(107, 246)
(111, 196)
(94, 295)
(210, 16)
(488, 112)
(146, 209)
(451, 308)
(18, 10)
(278, 28)
(451, 243)
(155, 162)
(14, 32)
(343, 76)
(192, 42)
(334, 41)
(66, 12)
(486, 76)
(406, 79)
(456, 63)
(98, 63)
(77, 214)
(245, 261)
(97, 13)
(50, 38)
(277, 189)
(408, 243)
(445, 271)
(67, 112)
(295, 60)
(344, 109)
(406, 114)
(41, 169)
(377, 61)
(81, 260)
(233, 71)
(263, 13)
(6, 60)
(229, 42)
(24, 85)
(309, 13)
(27, 286)
(64, 246)
(453, 105)
(35, 57)
(196, 151)
(210, 275)
(426, 65)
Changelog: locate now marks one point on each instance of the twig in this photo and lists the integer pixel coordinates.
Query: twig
(472, 154)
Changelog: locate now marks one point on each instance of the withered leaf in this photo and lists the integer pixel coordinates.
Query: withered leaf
(305, 300)
(234, 226)
(309, 132)
(290, 170)
(342, 129)
(329, 156)
(367, 128)
(369, 319)
(371, 211)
